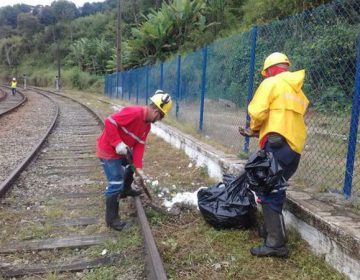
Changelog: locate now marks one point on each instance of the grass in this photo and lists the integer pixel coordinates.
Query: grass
(194, 250)
(54, 212)
(243, 155)
(35, 232)
(191, 249)
(127, 240)
(129, 244)
(104, 273)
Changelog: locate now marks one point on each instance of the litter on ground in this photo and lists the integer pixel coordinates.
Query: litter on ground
(189, 198)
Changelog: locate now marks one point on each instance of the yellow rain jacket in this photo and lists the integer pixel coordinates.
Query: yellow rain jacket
(279, 105)
(13, 84)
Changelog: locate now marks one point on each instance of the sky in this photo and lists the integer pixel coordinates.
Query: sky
(78, 3)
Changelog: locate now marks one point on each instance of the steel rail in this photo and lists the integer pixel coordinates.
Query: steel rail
(46, 171)
(12, 108)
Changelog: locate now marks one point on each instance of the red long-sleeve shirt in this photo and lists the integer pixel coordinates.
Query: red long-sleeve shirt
(128, 126)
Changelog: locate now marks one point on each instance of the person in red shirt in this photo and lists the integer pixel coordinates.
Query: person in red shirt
(127, 129)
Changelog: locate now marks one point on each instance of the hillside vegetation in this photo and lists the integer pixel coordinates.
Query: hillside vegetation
(40, 40)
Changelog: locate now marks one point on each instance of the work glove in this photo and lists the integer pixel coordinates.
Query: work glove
(139, 177)
(247, 132)
(121, 148)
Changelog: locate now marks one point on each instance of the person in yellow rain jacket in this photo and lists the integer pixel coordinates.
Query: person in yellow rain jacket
(277, 118)
(13, 85)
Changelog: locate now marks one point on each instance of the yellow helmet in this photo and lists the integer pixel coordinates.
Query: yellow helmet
(273, 59)
(162, 100)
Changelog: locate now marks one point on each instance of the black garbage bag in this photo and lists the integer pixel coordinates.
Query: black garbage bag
(229, 204)
(264, 173)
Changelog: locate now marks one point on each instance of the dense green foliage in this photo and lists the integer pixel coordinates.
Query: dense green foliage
(34, 39)
(264, 11)
(321, 40)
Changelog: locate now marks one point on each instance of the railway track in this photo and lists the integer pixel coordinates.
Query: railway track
(51, 214)
(9, 102)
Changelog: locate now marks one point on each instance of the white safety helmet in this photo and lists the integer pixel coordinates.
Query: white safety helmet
(159, 91)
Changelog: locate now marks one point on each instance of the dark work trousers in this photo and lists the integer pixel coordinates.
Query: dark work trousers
(114, 171)
(289, 161)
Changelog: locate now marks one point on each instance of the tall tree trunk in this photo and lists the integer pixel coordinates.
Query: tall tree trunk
(94, 64)
(7, 53)
(136, 11)
(71, 32)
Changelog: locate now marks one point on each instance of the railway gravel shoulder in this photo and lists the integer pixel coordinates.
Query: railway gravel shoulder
(22, 132)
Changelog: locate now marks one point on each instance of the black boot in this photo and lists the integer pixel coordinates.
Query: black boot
(274, 245)
(128, 179)
(112, 213)
(262, 231)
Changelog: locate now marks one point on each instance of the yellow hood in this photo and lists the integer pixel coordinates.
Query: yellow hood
(294, 79)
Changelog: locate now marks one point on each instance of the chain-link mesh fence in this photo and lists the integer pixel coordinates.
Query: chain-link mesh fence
(323, 41)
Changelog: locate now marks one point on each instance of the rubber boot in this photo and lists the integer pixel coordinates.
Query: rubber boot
(262, 231)
(128, 179)
(275, 240)
(112, 217)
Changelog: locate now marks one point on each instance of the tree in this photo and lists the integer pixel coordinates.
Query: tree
(165, 31)
(223, 14)
(77, 54)
(90, 55)
(46, 16)
(88, 9)
(8, 16)
(6, 31)
(64, 10)
(28, 24)
(22, 8)
(10, 50)
(261, 11)
(93, 8)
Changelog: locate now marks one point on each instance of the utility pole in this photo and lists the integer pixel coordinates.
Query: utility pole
(118, 47)
(24, 76)
(58, 77)
(57, 88)
(58, 64)
(118, 38)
